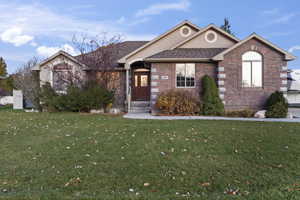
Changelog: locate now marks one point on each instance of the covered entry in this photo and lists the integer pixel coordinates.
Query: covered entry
(140, 84)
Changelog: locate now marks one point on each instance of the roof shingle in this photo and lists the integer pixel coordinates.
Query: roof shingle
(189, 53)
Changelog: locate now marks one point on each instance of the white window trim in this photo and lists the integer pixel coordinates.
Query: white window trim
(211, 41)
(185, 35)
(185, 87)
(262, 71)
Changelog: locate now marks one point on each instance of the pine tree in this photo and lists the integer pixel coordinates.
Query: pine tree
(211, 101)
(3, 66)
(226, 26)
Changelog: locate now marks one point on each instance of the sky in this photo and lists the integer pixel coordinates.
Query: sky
(39, 28)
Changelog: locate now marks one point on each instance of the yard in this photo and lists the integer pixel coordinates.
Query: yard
(81, 156)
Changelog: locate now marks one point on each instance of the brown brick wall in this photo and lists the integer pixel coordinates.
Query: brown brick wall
(168, 69)
(236, 97)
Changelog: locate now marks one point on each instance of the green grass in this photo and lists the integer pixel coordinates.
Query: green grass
(43, 154)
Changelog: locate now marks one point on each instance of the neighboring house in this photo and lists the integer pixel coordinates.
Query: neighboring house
(293, 94)
(246, 71)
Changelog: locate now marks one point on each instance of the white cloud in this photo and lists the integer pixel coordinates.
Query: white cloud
(15, 36)
(146, 37)
(157, 9)
(283, 19)
(294, 48)
(121, 20)
(46, 51)
(270, 12)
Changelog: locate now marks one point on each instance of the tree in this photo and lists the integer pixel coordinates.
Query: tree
(28, 81)
(3, 66)
(211, 101)
(226, 26)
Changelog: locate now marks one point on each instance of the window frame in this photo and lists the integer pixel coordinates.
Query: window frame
(251, 70)
(185, 65)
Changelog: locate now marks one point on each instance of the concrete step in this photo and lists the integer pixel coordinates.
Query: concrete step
(139, 110)
(140, 103)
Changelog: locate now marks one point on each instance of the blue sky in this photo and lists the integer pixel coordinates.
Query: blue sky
(40, 27)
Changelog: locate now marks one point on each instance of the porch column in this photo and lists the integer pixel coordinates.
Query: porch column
(128, 93)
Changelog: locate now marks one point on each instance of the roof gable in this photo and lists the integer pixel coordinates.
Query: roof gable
(219, 31)
(160, 37)
(59, 53)
(288, 56)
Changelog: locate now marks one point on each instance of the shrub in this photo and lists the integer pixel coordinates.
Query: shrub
(76, 99)
(211, 102)
(177, 102)
(276, 105)
(240, 113)
(49, 98)
(96, 96)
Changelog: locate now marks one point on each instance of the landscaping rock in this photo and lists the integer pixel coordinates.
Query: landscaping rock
(97, 111)
(260, 114)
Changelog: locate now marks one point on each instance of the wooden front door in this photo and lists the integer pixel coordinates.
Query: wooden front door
(141, 86)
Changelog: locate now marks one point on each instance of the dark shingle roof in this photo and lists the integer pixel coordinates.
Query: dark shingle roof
(189, 53)
(119, 50)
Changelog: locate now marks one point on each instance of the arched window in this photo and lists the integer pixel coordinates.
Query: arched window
(252, 69)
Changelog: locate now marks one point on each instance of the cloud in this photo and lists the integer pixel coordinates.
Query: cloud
(157, 9)
(283, 19)
(38, 21)
(15, 36)
(46, 51)
(270, 12)
(294, 48)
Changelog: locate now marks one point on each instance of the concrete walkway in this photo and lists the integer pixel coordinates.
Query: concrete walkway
(149, 116)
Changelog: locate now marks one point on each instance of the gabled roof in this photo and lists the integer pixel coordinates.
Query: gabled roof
(37, 67)
(122, 60)
(205, 29)
(288, 56)
(123, 48)
(120, 50)
(186, 53)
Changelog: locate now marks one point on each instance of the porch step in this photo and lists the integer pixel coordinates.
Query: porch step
(140, 104)
(140, 107)
(139, 110)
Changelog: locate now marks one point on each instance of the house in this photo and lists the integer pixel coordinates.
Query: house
(246, 71)
(293, 94)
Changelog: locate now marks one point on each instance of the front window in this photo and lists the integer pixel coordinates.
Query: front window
(185, 75)
(252, 69)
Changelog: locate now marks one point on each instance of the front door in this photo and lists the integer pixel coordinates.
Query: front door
(141, 86)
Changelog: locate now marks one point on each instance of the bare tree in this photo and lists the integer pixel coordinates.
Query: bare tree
(99, 54)
(28, 81)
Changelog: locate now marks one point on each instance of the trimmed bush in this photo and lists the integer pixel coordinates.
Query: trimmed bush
(174, 102)
(211, 101)
(276, 106)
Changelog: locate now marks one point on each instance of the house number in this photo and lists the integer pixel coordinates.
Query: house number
(164, 77)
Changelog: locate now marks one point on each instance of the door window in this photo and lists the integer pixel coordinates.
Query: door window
(144, 80)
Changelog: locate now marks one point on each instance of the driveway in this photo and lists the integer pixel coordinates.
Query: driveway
(295, 111)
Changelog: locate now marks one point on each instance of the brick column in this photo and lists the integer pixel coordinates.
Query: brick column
(283, 77)
(154, 85)
(221, 76)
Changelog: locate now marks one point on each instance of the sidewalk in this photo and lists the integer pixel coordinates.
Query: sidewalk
(149, 116)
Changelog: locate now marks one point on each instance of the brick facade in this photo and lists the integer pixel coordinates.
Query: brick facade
(159, 72)
(274, 77)
(228, 75)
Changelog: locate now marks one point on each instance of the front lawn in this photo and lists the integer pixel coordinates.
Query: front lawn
(81, 156)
